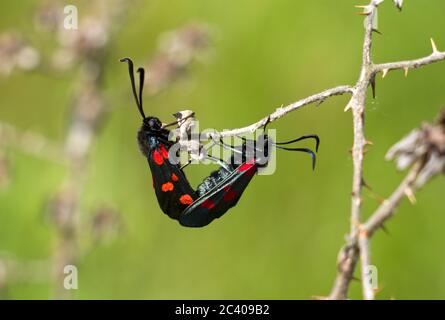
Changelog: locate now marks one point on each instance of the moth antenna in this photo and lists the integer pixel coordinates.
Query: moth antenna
(141, 72)
(309, 136)
(306, 150)
(133, 85)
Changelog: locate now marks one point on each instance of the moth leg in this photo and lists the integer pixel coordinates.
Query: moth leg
(219, 161)
(231, 147)
(211, 158)
(185, 165)
(204, 154)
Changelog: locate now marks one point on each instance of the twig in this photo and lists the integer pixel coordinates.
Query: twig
(346, 262)
(388, 207)
(436, 56)
(376, 221)
(357, 104)
(358, 239)
(358, 242)
(282, 111)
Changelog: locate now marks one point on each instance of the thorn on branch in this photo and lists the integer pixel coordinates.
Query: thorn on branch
(374, 195)
(348, 106)
(434, 46)
(373, 86)
(410, 195)
(367, 9)
(399, 4)
(384, 229)
(406, 71)
(320, 102)
(366, 185)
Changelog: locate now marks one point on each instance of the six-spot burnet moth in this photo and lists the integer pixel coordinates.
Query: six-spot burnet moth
(223, 188)
(172, 188)
(217, 193)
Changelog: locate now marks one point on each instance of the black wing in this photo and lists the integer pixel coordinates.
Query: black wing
(214, 203)
(172, 188)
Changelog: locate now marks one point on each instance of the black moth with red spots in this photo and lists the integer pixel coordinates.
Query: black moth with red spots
(172, 188)
(217, 193)
(223, 188)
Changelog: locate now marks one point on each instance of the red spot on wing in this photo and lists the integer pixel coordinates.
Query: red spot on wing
(245, 166)
(248, 168)
(208, 204)
(157, 158)
(168, 186)
(229, 194)
(186, 199)
(174, 177)
(164, 152)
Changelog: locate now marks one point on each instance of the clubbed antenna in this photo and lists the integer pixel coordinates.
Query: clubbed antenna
(133, 84)
(311, 153)
(141, 72)
(309, 136)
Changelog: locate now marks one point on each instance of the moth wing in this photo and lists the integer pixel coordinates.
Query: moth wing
(218, 200)
(172, 188)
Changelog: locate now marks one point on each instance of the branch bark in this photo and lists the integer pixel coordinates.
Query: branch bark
(436, 56)
(282, 111)
(359, 237)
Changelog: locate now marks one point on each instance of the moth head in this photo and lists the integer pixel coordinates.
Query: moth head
(152, 124)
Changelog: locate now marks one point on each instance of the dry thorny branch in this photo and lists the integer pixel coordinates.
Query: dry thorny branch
(423, 150)
(425, 166)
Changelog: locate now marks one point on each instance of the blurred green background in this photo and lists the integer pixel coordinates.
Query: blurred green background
(282, 239)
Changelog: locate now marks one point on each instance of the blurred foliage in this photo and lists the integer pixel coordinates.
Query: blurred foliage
(282, 239)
